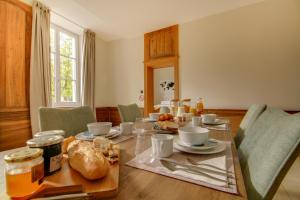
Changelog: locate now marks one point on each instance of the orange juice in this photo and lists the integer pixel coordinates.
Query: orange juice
(199, 106)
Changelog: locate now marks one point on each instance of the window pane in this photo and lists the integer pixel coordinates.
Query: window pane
(53, 77)
(67, 45)
(68, 90)
(52, 40)
(67, 68)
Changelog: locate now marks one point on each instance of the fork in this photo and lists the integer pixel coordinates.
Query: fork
(193, 162)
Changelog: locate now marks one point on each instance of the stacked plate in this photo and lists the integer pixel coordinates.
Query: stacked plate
(89, 136)
(212, 146)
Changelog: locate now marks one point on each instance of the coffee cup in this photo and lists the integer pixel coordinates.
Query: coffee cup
(154, 116)
(126, 128)
(209, 118)
(162, 145)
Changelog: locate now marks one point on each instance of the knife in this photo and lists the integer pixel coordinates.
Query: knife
(174, 167)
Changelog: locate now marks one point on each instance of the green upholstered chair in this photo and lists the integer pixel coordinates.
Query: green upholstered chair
(71, 120)
(252, 114)
(268, 150)
(129, 113)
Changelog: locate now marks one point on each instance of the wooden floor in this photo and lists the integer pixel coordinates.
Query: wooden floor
(290, 187)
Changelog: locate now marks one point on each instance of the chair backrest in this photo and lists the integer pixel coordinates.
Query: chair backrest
(268, 150)
(252, 114)
(129, 113)
(71, 120)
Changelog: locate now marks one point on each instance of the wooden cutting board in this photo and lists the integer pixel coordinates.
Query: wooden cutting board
(105, 187)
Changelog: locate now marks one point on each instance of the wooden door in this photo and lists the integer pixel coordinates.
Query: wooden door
(160, 50)
(15, 41)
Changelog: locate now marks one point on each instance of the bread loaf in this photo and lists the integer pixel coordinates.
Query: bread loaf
(85, 159)
(66, 143)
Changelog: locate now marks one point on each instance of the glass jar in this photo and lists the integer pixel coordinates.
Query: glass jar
(199, 106)
(51, 146)
(186, 103)
(24, 171)
(174, 107)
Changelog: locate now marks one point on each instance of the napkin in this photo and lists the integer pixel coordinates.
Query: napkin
(218, 162)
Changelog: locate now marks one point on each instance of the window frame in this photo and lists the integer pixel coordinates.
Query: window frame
(57, 90)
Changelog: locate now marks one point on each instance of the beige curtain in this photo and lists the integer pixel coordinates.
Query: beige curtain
(88, 69)
(40, 75)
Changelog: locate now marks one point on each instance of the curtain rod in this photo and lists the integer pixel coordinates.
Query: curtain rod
(68, 20)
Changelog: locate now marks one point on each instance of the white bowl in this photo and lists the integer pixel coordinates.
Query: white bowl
(154, 116)
(99, 128)
(193, 135)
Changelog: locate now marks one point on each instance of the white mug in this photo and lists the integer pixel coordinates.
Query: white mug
(196, 121)
(126, 128)
(154, 116)
(162, 145)
(209, 118)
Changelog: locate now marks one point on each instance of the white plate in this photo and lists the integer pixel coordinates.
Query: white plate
(210, 144)
(89, 137)
(220, 148)
(150, 120)
(216, 122)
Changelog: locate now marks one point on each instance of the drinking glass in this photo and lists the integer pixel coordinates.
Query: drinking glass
(139, 124)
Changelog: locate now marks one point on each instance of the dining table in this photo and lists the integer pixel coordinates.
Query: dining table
(140, 184)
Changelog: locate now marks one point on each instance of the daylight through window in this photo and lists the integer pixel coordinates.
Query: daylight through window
(65, 72)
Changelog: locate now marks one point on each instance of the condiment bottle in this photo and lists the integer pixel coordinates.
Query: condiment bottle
(186, 104)
(199, 106)
(174, 106)
(24, 171)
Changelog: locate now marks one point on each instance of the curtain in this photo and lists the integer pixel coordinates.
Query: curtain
(88, 69)
(40, 67)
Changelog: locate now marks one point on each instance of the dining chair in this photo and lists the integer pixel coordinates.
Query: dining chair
(71, 120)
(252, 114)
(129, 113)
(267, 152)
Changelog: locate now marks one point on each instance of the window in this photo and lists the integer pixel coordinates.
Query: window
(65, 70)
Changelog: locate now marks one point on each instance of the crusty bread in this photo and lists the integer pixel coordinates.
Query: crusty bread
(66, 143)
(85, 159)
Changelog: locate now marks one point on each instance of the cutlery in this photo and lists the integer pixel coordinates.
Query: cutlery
(201, 169)
(174, 167)
(193, 162)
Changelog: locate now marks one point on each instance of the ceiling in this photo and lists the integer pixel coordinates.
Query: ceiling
(116, 19)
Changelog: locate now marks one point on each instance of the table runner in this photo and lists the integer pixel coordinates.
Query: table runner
(156, 167)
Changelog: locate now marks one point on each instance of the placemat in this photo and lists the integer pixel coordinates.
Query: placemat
(146, 162)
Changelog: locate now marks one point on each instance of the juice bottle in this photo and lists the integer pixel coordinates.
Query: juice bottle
(199, 106)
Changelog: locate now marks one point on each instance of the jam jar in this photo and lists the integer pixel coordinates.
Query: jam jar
(51, 146)
(24, 171)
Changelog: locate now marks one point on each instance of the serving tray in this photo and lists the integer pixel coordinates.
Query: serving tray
(105, 187)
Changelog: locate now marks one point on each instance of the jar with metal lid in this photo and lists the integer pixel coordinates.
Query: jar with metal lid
(24, 171)
(51, 132)
(52, 151)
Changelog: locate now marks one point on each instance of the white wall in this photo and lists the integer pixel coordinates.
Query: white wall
(247, 55)
(233, 59)
(126, 70)
(102, 78)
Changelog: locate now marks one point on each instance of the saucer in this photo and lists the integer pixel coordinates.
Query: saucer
(89, 137)
(220, 148)
(150, 120)
(210, 144)
(216, 122)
